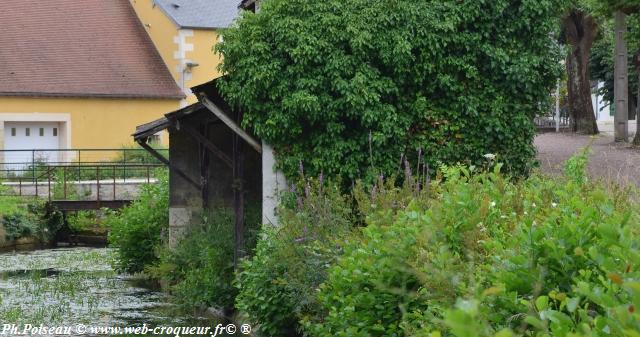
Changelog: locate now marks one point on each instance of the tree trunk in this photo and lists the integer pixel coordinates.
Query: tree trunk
(580, 30)
(636, 138)
(621, 80)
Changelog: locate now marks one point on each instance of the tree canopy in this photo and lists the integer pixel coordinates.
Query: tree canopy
(347, 87)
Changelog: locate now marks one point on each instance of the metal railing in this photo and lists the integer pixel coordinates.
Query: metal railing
(67, 174)
(544, 122)
(62, 182)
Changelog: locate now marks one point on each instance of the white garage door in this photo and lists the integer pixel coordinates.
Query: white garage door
(30, 136)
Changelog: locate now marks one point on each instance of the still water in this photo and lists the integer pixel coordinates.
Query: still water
(68, 287)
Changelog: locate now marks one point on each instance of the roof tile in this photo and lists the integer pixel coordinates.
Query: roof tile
(89, 48)
(207, 14)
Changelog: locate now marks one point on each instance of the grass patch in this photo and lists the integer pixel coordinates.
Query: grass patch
(11, 204)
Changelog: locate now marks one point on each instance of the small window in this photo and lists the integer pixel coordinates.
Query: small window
(13, 132)
(27, 132)
(41, 132)
(55, 132)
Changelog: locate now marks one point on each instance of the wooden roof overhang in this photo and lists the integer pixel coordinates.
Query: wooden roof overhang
(209, 100)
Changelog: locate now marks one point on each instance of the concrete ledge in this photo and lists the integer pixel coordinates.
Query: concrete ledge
(26, 243)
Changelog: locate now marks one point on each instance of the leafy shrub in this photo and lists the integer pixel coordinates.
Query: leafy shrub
(49, 220)
(346, 86)
(37, 219)
(277, 287)
(18, 225)
(200, 270)
(491, 257)
(137, 229)
(82, 220)
(575, 168)
(416, 263)
(600, 300)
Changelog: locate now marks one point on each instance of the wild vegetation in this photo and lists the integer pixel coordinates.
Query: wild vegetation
(22, 217)
(199, 271)
(473, 254)
(278, 284)
(139, 228)
(466, 240)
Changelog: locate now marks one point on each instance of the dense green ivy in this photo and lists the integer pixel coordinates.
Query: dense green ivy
(349, 86)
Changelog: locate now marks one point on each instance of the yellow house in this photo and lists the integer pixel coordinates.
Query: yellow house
(184, 32)
(83, 74)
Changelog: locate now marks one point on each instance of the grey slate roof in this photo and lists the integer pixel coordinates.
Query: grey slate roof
(206, 14)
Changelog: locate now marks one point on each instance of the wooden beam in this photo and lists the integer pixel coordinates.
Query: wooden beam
(78, 205)
(208, 144)
(229, 122)
(164, 160)
(238, 198)
(204, 167)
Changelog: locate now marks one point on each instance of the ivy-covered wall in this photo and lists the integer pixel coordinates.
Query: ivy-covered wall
(348, 87)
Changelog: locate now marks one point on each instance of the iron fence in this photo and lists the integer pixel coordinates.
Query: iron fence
(549, 122)
(63, 174)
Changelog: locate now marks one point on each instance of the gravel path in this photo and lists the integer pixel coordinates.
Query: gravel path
(609, 161)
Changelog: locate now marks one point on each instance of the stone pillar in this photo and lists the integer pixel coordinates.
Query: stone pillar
(273, 184)
(179, 220)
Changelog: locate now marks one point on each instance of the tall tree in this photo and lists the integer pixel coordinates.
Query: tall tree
(633, 38)
(620, 10)
(612, 54)
(636, 138)
(580, 30)
(602, 61)
(621, 79)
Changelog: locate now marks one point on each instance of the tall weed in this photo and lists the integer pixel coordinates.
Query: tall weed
(278, 286)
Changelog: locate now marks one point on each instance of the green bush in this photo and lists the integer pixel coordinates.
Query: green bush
(348, 86)
(83, 220)
(199, 270)
(278, 286)
(18, 225)
(420, 261)
(37, 219)
(50, 221)
(489, 256)
(137, 229)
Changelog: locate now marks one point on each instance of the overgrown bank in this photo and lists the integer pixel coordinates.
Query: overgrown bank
(469, 252)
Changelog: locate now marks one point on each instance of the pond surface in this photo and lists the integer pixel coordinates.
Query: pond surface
(71, 286)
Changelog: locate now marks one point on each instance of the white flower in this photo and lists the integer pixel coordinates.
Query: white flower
(533, 205)
(553, 204)
(490, 156)
(493, 204)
